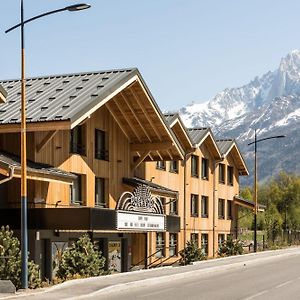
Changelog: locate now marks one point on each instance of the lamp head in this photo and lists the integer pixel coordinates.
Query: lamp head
(77, 7)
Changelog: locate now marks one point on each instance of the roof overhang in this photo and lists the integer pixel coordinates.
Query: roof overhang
(181, 133)
(209, 140)
(248, 203)
(156, 189)
(10, 166)
(238, 158)
(3, 94)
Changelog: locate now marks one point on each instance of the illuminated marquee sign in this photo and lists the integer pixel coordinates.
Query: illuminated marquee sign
(140, 211)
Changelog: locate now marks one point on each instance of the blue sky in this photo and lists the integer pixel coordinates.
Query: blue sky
(186, 50)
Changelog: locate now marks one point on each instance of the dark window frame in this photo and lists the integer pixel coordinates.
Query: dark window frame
(221, 209)
(103, 192)
(204, 243)
(222, 173)
(76, 184)
(173, 247)
(194, 165)
(160, 247)
(229, 209)
(194, 205)
(172, 168)
(78, 140)
(173, 206)
(195, 238)
(205, 168)
(101, 151)
(204, 199)
(161, 165)
(230, 175)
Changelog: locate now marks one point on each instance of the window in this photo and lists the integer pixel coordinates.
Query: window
(173, 244)
(204, 206)
(230, 175)
(76, 191)
(161, 165)
(160, 245)
(195, 238)
(163, 202)
(78, 140)
(204, 243)
(221, 209)
(174, 166)
(100, 192)
(221, 239)
(194, 205)
(100, 145)
(194, 166)
(173, 207)
(204, 168)
(229, 209)
(221, 173)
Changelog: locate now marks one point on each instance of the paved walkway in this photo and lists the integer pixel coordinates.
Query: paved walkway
(81, 288)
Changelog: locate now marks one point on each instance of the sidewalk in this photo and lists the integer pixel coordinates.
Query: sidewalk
(90, 287)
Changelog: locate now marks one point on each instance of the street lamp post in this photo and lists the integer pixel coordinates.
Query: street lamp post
(255, 181)
(24, 231)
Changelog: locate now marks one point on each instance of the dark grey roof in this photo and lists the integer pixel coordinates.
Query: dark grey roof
(171, 117)
(224, 145)
(155, 188)
(250, 202)
(197, 134)
(14, 161)
(60, 97)
(3, 91)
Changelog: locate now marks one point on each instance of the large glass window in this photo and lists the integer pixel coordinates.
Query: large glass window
(172, 244)
(204, 206)
(221, 209)
(160, 245)
(229, 209)
(76, 191)
(221, 239)
(100, 145)
(205, 168)
(100, 192)
(221, 173)
(78, 140)
(174, 166)
(194, 205)
(204, 243)
(230, 175)
(194, 166)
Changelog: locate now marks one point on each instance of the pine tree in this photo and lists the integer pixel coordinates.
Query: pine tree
(10, 261)
(82, 259)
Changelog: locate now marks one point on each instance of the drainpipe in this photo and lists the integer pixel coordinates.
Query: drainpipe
(214, 202)
(11, 175)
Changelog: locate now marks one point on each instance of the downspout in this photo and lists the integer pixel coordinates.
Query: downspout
(214, 202)
(11, 175)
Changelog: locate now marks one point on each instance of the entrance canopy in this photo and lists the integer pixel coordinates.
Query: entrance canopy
(248, 203)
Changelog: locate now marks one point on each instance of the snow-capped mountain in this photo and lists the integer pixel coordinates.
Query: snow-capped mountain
(270, 104)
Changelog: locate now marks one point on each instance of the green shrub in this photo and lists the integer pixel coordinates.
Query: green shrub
(231, 247)
(81, 260)
(10, 261)
(191, 253)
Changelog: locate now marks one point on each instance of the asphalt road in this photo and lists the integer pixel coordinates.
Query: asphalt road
(275, 279)
(267, 275)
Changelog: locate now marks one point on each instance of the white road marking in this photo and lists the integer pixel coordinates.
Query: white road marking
(256, 295)
(283, 284)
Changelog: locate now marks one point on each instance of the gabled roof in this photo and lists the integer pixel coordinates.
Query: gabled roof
(227, 146)
(64, 101)
(200, 135)
(3, 94)
(176, 124)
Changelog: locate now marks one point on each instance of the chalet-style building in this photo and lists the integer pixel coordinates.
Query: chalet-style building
(104, 160)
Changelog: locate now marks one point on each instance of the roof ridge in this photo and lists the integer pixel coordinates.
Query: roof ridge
(72, 74)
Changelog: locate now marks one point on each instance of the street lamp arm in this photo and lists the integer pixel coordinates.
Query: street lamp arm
(268, 138)
(75, 7)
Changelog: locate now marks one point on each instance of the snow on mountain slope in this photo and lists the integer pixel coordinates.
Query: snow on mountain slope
(270, 104)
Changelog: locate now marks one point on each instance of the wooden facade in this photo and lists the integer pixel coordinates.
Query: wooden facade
(123, 136)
